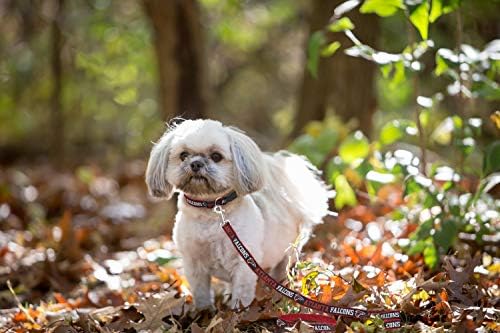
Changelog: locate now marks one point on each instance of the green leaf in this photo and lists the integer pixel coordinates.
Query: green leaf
(164, 261)
(399, 75)
(313, 51)
(441, 65)
(306, 145)
(390, 133)
(341, 25)
(431, 256)
(446, 236)
(487, 89)
(326, 140)
(126, 97)
(354, 147)
(442, 7)
(443, 132)
(418, 247)
(419, 17)
(345, 194)
(386, 70)
(491, 161)
(382, 8)
(395, 130)
(330, 49)
(424, 230)
(424, 117)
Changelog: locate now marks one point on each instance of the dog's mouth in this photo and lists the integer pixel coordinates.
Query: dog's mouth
(197, 179)
(195, 182)
(199, 184)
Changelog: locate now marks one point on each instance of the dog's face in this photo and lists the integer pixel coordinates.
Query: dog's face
(203, 157)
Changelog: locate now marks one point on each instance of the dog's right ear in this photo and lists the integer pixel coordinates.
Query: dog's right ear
(156, 172)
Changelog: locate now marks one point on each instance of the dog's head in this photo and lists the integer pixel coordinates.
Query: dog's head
(203, 157)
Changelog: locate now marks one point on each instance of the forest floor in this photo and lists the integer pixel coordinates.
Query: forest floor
(86, 251)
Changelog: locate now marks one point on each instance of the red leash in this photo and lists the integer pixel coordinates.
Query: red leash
(392, 319)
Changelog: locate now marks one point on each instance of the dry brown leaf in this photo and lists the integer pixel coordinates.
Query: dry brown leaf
(349, 250)
(196, 329)
(326, 294)
(376, 281)
(155, 308)
(339, 289)
(69, 248)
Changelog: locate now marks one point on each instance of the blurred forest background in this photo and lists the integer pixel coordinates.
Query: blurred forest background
(96, 80)
(397, 101)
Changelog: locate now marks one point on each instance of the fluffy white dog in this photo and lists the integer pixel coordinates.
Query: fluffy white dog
(271, 200)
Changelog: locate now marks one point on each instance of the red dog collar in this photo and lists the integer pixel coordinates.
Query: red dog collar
(211, 204)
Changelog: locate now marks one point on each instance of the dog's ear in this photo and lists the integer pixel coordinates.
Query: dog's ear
(248, 162)
(156, 171)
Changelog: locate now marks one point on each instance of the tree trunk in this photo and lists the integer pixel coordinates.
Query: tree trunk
(179, 47)
(344, 83)
(354, 94)
(57, 117)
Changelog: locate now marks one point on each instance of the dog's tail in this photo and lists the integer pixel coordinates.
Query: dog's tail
(303, 187)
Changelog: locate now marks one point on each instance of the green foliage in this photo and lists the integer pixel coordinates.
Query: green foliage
(419, 17)
(313, 52)
(109, 87)
(354, 148)
(442, 7)
(396, 130)
(441, 204)
(345, 194)
(330, 49)
(491, 162)
(341, 25)
(382, 8)
(317, 141)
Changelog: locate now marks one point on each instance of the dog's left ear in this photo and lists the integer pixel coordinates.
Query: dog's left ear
(249, 171)
(156, 171)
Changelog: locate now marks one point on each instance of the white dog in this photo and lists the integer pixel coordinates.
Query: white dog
(271, 200)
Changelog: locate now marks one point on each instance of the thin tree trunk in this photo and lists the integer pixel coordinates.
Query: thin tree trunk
(344, 83)
(57, 117)
(179, 47)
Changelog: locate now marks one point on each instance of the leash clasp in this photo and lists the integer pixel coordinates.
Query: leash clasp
(218, 209)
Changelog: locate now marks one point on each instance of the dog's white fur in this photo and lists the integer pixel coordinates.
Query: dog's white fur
(280, 198)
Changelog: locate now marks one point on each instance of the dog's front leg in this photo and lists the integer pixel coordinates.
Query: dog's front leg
(199, 281)
(243, 283)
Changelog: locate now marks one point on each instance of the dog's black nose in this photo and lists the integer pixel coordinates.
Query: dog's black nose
(196, 165)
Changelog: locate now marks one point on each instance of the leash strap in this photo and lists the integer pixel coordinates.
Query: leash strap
(319, 323)
(392, 319)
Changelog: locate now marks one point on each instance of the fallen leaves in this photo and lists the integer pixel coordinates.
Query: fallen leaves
(71, 253)
(156, 307)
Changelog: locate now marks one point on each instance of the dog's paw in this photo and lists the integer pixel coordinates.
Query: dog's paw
(239, 303)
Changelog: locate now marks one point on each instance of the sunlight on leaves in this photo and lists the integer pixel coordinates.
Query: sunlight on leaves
(354, 148)
(341, 25)
(442, 7)
(345, 193)
(419, 17)
(330, 49)
(382, 8)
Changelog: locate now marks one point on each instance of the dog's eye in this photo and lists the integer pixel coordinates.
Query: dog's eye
(183, 155)
(216, 157)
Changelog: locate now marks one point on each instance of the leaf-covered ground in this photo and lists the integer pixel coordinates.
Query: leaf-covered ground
(85, 251)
